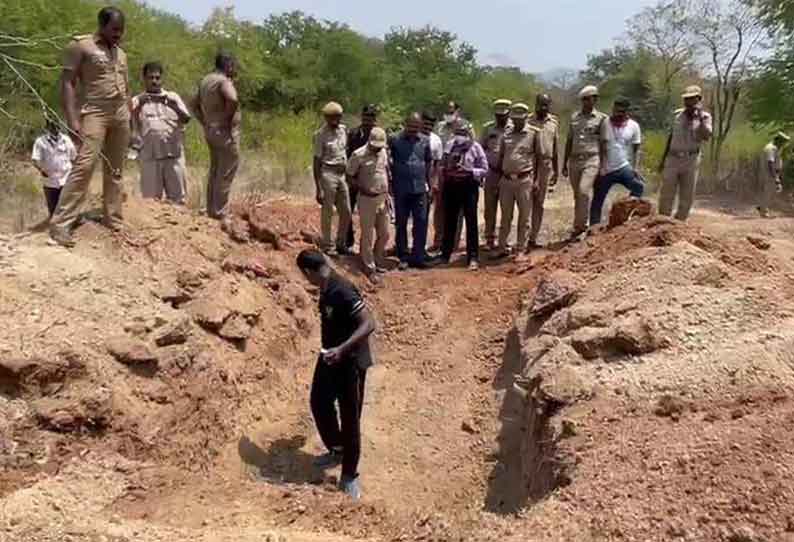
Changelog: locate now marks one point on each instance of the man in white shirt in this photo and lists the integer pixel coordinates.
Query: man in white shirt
(771, 171)
(436, 153)
(53, 154)
(159, 119)
(620, 141)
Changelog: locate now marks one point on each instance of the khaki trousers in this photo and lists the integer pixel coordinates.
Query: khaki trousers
(768, 191)
(680, 176)
(373, 213)
(336, 195)
(584, 172)
(491, 205)
(512, 193)
(105, 134)
(539, 197)
(165, 175)
(224, 162)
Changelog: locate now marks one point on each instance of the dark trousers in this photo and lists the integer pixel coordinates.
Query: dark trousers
(343, 384)
(625, 176)
(414, 207)
(351, 234)
(461, 195)
(52, 195)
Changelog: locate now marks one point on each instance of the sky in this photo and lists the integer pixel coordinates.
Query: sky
(536, 36)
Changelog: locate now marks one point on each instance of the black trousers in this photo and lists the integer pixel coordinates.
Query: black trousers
(351, 234)
(343, 384)
(52, 195)
(461, 194)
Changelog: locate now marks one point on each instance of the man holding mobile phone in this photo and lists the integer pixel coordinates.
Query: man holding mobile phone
(341, 370)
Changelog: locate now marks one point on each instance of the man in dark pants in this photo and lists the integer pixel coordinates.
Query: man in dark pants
(411, 179)
(465, 168)
(341, 370)
(356, 139)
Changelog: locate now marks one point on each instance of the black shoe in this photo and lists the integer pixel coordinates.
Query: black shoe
(62, 237)
(423, 265)
(329, 460)
(343, 251)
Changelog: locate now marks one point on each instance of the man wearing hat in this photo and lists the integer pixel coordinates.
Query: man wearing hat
(368, 174)
(357, 138)
(582, 157)
(330, 165)
(771, 168)
(518, 162)
(681, 159)
(548, 162)
(491, 140)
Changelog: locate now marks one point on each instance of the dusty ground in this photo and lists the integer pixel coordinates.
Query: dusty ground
(154, 384)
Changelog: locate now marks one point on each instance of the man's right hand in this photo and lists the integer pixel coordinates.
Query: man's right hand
(565, 171)
(660, 169)
(320, 197)
(75, 130)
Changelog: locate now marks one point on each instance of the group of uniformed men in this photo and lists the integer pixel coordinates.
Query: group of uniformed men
(426, 165)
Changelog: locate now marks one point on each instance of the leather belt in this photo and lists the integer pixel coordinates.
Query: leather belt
(517, 176)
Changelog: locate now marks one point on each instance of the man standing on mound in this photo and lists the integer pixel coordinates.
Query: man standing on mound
(341, 371)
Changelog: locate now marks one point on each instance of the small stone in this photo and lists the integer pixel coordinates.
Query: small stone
(130, 351)
(176, 332)
(469, 427)
(236, 328)
(759, 242)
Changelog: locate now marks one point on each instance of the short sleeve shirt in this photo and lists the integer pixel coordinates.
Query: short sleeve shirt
(620, 141)
(213, 103)
(519, 148)
(771, 156)
(585, 131)
(686, 132)
(548, 135)
(102, 71)
(492, 140)
(160, 127)
(54, 157)
(340, 303)
(370, 170)
(330, 145)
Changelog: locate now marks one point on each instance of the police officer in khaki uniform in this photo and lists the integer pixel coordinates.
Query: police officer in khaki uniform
(548, 160)
(491, 141)
(368, 172)
(770, 171)
(330, 165)
(158, 119)
(518, 163)
(680, 164)
(95, 69)
(582, 159)
(217, 108)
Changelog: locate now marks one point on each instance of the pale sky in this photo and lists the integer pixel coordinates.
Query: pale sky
(535, 35)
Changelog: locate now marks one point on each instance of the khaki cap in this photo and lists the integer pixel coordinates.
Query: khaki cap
(783, 136)
(377, 137)
(332, 108)
(502, 106)
(519, 111)
(588, 92)
(692, 91)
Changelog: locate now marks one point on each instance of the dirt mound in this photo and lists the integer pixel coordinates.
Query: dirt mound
(631, 395)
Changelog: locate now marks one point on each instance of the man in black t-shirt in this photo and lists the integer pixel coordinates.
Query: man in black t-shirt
(341, 370)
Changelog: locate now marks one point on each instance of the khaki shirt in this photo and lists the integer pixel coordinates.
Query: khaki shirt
(330, 146)
(102, 71)
(518, 151)
(159, 127)
(688, 134)
(585, 131)
(772, 156)
(370, 170)
(213, 104)
(491, 140)
(549, 135)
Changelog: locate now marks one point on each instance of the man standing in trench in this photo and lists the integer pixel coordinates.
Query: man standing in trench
(341, 370)
(217, 108)
(95, 68)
